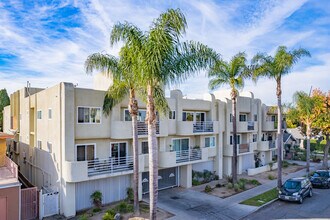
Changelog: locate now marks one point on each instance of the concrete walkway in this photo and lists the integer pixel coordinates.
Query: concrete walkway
(190, 204)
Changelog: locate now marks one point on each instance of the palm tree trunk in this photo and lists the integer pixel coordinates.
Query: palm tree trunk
(153, 154)
(308, 153)
(134, 110)
(326, 152)
(279, 133)
(234, 160)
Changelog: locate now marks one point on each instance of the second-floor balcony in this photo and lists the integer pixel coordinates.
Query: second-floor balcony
(245, 126)
(266, 145)
(188, 155)
(203, 126)
(142, 128)
(124, 130)
(272, 144)
(241, 149)
(110, 165)
(8, 171)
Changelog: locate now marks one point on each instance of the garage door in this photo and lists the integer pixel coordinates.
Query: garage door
(167, 178)
(113, 189)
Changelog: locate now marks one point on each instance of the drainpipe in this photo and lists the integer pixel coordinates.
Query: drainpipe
(61, 141)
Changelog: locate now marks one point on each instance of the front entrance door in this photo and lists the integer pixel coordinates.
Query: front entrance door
(118, 153)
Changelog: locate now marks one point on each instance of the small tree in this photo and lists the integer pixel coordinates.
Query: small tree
(4, 101)
(96, 198)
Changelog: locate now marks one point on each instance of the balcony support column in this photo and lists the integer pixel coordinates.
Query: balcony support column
(186, 176)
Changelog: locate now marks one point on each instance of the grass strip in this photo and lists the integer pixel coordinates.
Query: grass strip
(261, 199)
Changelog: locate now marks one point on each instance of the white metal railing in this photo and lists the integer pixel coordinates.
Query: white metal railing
(142, 128)
(188, 155)
(250, 125)
(11, 166)
(203, 126)
(272, 144)
(110, 165)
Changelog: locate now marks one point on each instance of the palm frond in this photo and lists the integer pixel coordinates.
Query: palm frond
(105, 63)
(128, 33)
(115, 94)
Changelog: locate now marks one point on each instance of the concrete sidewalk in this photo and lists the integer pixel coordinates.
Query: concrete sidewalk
(190, 204)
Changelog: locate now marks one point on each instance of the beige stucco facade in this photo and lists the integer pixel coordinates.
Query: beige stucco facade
(66, 143)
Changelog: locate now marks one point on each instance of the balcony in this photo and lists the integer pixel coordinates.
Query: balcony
(245, 126)
(272, 144)
(142, 128)
(174, 158)
(268, 126)
(241, 149)
(250, 125)
(8, 172)
(188, 155)
(111, 165)
(263, 145)
(191, 127)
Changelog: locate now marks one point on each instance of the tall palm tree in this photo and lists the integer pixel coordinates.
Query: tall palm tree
(306, 111)
(163, 60)
(125, 83)
(233, 74)
(275, 68)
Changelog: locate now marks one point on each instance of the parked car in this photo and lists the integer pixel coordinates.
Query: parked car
(296, 189)
(321, 178)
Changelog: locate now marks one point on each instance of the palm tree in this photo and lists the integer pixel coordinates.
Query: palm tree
(275, 68)
(233, 74)
(306, 111)
(125, 83)
(163, 60)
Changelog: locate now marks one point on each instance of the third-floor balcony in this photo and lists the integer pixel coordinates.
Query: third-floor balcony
(193, 127)
(123, 129)
(245, 126)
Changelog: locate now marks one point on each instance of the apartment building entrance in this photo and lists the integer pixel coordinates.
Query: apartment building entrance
(167, 178)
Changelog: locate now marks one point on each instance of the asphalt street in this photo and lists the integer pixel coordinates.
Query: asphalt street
(316, 207)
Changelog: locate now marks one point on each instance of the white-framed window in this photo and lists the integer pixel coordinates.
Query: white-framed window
(144, 147)
(242, 117)
(238, 137)
(118, 149)
(89, 115)
(210, 141)
(255, 117)
(39, 114)
(187, 116)
(39, 144)
(254, 138)
(50, 113)
(171, 115)
(49, 147)
(85, 152)
(180, 144)
(141, 116)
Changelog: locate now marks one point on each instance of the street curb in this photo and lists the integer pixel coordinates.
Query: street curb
(260, 207)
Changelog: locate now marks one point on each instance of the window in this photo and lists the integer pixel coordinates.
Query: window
(49, 113)
(39, 114)
(85, 152)
(144, 147)
(210, 142)
(273, 117)
(254, 137)
(255, 117)
(39, 144)
(238, 139)
(181, 144)
(89, 115)
(230, 117)
(242, 117)
(171, 115)
(50, 147)
(200, 116)
(187, 116)
(141, 116)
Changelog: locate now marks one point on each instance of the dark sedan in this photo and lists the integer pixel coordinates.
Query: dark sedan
(321, 178)
(296, 189)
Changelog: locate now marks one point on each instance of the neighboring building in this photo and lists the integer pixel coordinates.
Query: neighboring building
(66, 144)
(298, 136)
(9, 184)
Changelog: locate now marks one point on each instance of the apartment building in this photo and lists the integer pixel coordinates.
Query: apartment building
(65, 143)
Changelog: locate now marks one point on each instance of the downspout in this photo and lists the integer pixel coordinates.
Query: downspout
(61, 141)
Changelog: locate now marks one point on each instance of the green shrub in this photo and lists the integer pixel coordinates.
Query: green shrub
(123, 207)
(229, 185)
(208, 188)
(236, 187)
(285, 164)
(83, 217)
(130, 194)
(196, 182)
(108, 216)
(241, 185)
(229, 178)
(271, 177)
(255, 182)
(96, 209)
(96, 198)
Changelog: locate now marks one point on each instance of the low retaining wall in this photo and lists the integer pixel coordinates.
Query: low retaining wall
(254, 171)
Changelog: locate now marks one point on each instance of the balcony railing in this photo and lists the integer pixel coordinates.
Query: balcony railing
(203, 126)
(250, 125)
(111, 165)
(9, 170)
(243, 148)
(188, 155)
(142, 128)
(271, 144)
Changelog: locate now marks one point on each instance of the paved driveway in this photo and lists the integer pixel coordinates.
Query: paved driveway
(189, 204)
(316, 207)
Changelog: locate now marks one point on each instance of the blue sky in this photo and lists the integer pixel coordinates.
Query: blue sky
(46, 42)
